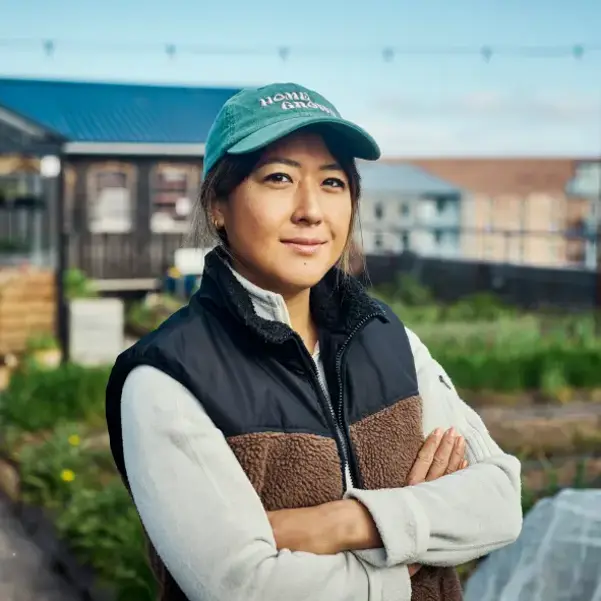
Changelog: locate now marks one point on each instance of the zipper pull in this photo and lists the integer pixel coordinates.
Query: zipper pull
(444, 382)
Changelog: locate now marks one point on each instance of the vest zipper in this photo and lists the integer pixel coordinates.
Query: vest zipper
(327, 404)
(340, 428)
(339, 418)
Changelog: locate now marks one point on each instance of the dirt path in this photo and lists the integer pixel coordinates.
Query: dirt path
(24, 571)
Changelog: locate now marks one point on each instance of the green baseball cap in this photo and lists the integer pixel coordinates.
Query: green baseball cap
(255, 117)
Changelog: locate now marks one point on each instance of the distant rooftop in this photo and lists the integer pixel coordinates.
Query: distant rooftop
(501, 176)
(404, 178)
(115, 113)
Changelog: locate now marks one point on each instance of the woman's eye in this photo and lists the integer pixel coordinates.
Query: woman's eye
(278, 178)
(334, 182)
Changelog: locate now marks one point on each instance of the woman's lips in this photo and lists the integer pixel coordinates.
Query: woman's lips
(304, 246)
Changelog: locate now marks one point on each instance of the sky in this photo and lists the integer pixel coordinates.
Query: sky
(418, 104)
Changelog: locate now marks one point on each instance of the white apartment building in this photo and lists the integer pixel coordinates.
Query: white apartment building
(403, 208)
(587, 184)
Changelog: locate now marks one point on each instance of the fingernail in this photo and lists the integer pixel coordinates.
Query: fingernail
(438, 432)
(451, 432)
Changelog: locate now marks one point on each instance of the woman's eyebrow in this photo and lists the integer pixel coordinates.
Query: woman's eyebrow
(291, 163)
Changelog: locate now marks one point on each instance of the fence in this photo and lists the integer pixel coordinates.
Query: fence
(524, 286)
(123, 256)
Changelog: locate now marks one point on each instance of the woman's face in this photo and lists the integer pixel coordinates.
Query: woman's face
(288, 222)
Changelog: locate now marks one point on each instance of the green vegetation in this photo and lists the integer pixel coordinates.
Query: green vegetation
(78, 285)
(145, 316)
(42, 342)
(487, 346)
(54, 428)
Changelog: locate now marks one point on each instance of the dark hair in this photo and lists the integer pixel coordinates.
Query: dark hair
(230, 171)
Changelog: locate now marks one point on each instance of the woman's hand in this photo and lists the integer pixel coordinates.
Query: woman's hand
(347, 525)
(440, 454)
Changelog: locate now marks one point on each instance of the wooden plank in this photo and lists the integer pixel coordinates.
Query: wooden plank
(27, 307)
(14, 310)
(126, 285)
(41, 321)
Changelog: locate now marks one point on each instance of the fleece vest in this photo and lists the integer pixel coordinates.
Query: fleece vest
(257, 382)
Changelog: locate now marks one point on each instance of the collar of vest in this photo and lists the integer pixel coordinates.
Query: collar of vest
(339, 303)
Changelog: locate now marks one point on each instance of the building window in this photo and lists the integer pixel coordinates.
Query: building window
(440, 205)
(19, 178)
(523, 213)
(110, 198)
(173, 188)
(379, 211)
(405, 241)
(438, 236)
(490, 214)
(404, 209)
(378, 241)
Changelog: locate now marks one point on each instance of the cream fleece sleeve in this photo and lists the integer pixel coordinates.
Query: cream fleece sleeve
(458, 517)
(205, 519)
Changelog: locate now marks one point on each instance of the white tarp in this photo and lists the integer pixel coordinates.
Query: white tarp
(556, 558)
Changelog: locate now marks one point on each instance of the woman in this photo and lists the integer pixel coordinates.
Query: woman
(271, 433)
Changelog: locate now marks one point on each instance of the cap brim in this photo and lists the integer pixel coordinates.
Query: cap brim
(357, 142)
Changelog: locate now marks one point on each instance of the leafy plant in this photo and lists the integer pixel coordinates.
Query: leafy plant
(73, 477)
(38, 399)
(78, 285)
(42, 342)
(149, 314)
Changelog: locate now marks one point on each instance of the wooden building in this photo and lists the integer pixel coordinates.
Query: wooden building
(132, 161)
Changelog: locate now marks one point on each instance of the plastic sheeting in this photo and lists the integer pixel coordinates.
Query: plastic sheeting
(556, 558)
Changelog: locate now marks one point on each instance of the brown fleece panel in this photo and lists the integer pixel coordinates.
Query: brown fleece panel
(436, 584)
(386, 444)
(290, 470)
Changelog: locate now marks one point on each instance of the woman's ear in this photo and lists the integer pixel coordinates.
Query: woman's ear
(217, 216)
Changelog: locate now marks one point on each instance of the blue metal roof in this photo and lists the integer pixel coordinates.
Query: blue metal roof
(403, 178)
(108, 112)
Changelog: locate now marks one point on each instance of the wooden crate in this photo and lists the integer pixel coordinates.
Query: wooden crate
(27, 307)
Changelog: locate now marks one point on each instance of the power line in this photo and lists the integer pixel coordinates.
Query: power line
(53, 46)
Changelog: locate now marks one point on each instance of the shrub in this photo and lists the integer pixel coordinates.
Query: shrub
(38, 399)
(147, 315)
(547, 366)
(73, 477)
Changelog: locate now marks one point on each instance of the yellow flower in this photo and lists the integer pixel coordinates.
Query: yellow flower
(67, 476)
(174, 273)
(74, 440)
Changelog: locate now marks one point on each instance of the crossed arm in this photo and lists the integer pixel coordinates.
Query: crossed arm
(347, 525)
(435, 520)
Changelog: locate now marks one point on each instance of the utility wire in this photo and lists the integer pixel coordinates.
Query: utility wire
(52, 46)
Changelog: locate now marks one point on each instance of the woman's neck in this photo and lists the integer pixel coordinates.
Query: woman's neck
(292, 309)
(300, 318)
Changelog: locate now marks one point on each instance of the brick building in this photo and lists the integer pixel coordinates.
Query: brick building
(516, 209)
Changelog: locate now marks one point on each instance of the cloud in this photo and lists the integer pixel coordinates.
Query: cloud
(460, 136)
(487, 104)
(486, 122)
